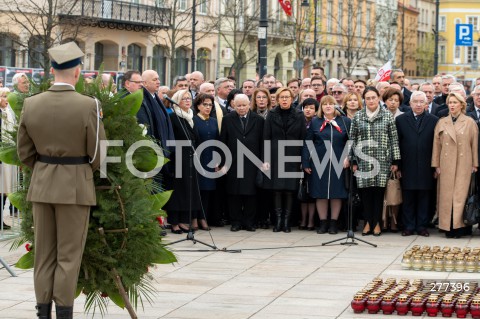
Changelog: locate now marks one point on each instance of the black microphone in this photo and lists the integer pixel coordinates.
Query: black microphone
(170, 100)
(339, 110)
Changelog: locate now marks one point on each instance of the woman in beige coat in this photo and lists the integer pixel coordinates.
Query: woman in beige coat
(454, 158)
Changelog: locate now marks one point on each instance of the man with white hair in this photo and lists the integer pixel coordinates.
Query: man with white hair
(415, 137)
(305, 94)
(306, 83)
(381, 88)
(196, 79)
(244, 128)
(223, 86)
(446, 81)
(21, 84)
(330, 83)
(429, 91)
(339, 91)
(218, 111)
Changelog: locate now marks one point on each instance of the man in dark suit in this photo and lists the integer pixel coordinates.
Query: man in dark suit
(415, 136)
(59, 138)
(446, 81)
(153, 113)
(242, 128)
(443, 110)
(429, 91)
(475, 114)
(399, 77)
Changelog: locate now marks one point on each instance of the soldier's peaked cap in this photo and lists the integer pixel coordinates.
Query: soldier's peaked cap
(65, 56)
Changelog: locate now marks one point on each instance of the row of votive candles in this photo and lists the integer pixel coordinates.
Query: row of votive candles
(403, 297)
(442, 259)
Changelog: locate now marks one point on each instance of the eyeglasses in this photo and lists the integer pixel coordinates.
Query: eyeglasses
(337, 92)
(284, 97)
(317, 85)
(207, 104)
(186, 99)
(138, 82)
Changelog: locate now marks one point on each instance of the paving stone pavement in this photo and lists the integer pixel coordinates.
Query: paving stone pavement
(275, 276)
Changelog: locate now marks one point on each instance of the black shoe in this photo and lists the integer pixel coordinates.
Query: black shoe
(44, 311)
(250, 228)
(235, 228)
(323, 227)
(278, 222)
(333, 229)
(407, 232)
(265, 225)
(423, 233)
(176, 231)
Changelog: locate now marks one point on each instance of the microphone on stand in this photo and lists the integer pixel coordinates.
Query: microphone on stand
(170, 100)
(339, 110)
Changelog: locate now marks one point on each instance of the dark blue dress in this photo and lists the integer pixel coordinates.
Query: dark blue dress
(326, 182)
(207, 130)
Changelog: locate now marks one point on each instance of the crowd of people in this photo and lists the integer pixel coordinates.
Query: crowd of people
(319, 133)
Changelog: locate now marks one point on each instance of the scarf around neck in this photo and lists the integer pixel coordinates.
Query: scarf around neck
(188, 116)
(371, 114)
(332, 122)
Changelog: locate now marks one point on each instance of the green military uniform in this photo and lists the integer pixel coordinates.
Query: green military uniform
(59, 137)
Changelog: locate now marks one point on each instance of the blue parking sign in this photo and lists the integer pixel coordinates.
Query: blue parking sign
(464, 35)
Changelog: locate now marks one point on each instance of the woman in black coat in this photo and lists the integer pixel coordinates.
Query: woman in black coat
(178, 207)
(329, 134)
(287, 125)
(207, 128)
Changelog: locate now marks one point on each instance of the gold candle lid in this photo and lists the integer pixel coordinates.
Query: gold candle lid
(433, 298)
(416, 247)
(388, 297)
(373, 297)
(462, 301)
(447, 299)
(403, 297)
(417, 298)
(446, 249)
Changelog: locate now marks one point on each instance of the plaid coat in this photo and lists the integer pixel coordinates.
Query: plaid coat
(364, 133)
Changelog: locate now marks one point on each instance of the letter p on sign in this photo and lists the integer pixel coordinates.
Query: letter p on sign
(464, 35)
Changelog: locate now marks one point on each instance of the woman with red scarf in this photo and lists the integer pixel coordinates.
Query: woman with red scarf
(324, 156)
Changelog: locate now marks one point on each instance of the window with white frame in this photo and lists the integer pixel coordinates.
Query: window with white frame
(442, 23)
(182, 5)
(472, 54)
(457, 53)
(340, 16)
(443, 54)
(358, 30)
(458, 21)
(473, 20)
(202, 6)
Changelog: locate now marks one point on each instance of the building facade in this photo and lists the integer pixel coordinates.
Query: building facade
(407, 27)
(458, 60)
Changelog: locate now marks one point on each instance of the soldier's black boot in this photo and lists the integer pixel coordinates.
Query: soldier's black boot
(286, 228)
(323, 227)
(278, 223)
(44, 310)
(64, 312)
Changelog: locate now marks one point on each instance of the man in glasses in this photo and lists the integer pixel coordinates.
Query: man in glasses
(338, 91)
(132, 81)
(318, 86)
(180, 83)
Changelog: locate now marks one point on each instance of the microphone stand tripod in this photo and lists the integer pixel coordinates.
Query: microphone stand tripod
(190, 234)
(350, 238)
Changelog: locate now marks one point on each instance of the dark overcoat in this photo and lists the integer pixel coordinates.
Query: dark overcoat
(275, 131)
(327, 179)
(232, 133)
(207, 131)
(416, 150)
(179, 201)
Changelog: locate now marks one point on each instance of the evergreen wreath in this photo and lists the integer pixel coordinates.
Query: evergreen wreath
(123, 239)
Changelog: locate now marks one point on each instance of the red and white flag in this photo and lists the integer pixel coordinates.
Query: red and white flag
(286, 6)
(384, 72)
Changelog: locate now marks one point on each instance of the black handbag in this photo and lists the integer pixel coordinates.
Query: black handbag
(471, 214)
(302, 194)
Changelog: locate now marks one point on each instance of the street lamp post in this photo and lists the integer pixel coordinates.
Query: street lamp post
(262, 39)
(403, 35)
(194, 24)
(435, 31)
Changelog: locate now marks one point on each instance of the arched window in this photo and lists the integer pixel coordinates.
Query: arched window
(159, 62)
(98, 55)
(181, 62)
(7, 51)
(203, 61)
(134, 60)
(35, 50)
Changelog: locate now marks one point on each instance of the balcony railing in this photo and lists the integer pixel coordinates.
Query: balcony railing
(118, 15)
(281, 29)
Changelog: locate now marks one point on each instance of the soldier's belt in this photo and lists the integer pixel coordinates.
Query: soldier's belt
(66, 160)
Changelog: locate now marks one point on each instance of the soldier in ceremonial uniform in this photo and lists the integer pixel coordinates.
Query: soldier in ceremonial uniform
(63, 154)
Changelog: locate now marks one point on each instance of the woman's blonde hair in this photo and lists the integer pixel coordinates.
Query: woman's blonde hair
(254, 101)
(283, 89)
(179, 95)
(460, 99)
(347, 97)
(326, 99)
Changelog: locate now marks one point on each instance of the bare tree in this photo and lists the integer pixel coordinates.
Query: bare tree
(355, 23)
(238, 27)
(386, 31)
(41, 22)
(179, 30)
(424, 56)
